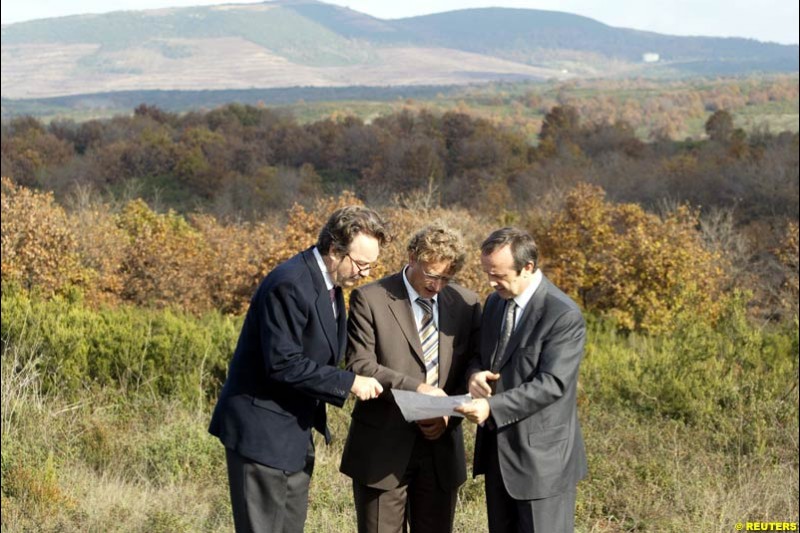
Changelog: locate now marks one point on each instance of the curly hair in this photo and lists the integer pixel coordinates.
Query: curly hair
(438, 242)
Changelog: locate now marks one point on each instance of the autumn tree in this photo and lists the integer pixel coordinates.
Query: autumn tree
(560, 127)
(719, 126)
(28, 149)
(165, 261)
(38, 249)
(639, 269)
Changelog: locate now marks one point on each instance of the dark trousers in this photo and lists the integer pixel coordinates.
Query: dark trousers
(266, 499)
(418, 505)
(555, 514)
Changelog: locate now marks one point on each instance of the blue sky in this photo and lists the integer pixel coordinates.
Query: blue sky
(765, 20)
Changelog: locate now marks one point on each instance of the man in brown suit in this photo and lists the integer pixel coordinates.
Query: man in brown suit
(413, 331)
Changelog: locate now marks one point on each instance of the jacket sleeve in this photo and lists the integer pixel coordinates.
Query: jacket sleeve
(473, 347)
(559, 361)
(475, 364)
(284, 315)
(361, 356)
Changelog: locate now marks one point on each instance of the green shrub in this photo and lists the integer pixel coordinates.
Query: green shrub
(733, 376)
(167, 353)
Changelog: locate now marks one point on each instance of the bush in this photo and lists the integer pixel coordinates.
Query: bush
(168, 353)
(38, 249)
(731, 376)
(632, 266)
(166, 260)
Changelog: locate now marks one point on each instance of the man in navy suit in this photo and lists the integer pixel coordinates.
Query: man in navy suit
(285, 369)
(524, 386)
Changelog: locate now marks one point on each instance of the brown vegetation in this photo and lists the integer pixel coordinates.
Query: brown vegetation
(690, 414)
(232, 173)
(616, 259)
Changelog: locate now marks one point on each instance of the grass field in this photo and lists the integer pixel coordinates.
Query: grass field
(674, 443)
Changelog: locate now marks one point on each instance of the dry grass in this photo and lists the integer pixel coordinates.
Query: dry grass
(132, 462)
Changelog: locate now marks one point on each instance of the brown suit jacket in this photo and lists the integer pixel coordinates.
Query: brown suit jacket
(383, 342)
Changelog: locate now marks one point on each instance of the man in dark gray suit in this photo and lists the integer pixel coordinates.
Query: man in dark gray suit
(284, 371)
(524, 385)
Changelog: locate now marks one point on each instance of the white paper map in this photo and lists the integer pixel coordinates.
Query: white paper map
(417, 406)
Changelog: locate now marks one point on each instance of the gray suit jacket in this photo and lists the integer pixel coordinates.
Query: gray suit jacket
(383, 342)
(534, 410)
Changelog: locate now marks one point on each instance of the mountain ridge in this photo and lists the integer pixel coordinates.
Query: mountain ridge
(309, 43)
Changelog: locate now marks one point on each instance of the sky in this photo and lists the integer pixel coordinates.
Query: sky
(765, 20)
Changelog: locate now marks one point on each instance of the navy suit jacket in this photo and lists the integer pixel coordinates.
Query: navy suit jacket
(284, 369)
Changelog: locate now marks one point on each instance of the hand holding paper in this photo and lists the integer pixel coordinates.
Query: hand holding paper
(478, 410)
(416, 406)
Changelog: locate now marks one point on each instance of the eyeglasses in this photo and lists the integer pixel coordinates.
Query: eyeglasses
(444, 280)
(360, 266)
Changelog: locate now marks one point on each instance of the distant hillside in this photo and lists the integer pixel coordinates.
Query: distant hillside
(512, 33)
(293, 43)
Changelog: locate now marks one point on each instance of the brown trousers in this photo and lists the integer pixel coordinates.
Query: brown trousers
(417, 505)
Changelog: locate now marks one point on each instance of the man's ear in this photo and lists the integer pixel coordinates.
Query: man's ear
(530, 267)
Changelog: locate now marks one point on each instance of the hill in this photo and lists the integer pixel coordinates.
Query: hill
(294, 43)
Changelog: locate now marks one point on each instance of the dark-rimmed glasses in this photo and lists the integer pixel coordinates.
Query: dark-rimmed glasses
(361, 267)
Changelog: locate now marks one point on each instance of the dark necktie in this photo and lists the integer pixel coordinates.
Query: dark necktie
(505, 334)
(332, 292)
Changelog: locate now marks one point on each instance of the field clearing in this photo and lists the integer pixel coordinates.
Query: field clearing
(126, 459)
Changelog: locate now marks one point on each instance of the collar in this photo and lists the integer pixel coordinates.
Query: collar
(325, 275)
(523, 299)
(413, 294)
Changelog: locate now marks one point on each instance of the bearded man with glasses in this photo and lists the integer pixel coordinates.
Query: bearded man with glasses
(415, 331)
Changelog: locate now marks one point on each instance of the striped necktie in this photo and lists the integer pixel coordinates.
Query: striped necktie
(429, 337)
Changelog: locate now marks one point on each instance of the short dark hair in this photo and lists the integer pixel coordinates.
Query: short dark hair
(523, 247)
(347, 222)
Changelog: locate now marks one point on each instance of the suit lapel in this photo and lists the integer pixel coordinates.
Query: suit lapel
(401, 309)
(490, 328)
(323, 303)
(527, 322)
(446, 324)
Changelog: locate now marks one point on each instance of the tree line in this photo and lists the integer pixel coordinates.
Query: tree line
(244, 167)
(245, 161)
